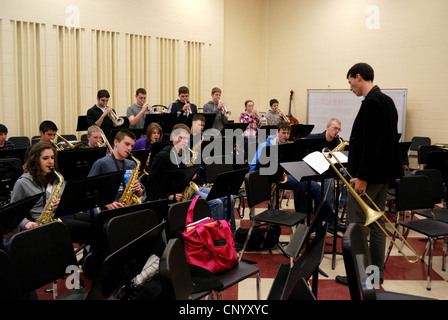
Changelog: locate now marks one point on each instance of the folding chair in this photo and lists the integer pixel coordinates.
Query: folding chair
(20, 141)
(176, 225)
(41, 256)
(121, 266)
(414, 192)
(258, 191)
(288, 283)
(356, 259)
(175, 277)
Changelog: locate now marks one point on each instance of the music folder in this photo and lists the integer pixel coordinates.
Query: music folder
(85, 194)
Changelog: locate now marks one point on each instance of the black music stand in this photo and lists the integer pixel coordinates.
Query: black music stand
(276, 154)
(137, 132)
(299, 131)
(18, 153)
(176, 180)
(12, 214)
(209, 119)
(76, 163)
(166, 121)
(438, 160)
(86, 194)
(156, 148)
(82, 124)
(141, 155)
(234, 126)
(227, 184)
(302, 172)
(212, 170)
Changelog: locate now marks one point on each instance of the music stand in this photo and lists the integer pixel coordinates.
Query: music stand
(176, 180)
(12, 214)
(209, 119)
(227, 184)
(156, 148)
(76, 163)
(166, 121)
(300, 131)
(302, 172)
(438, 160)
(18, 153)
(82, 124)
(212, 170)
(85, 194)
(233, 126)
(137, 132)
(141, 155)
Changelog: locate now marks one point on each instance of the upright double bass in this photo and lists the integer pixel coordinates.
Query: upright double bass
(290, 116)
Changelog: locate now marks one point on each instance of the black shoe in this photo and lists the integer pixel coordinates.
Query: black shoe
(342, 280)
(342, 226)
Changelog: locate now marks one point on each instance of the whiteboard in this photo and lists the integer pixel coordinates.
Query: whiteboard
(322, 105)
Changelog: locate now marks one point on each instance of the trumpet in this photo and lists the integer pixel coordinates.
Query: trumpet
(158, 109)
(262, 117)
(224, 110)
(188, 112)
(372, 215)
(118, 121)
(285, 118)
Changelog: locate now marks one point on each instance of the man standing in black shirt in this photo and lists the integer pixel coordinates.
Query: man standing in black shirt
(373, 159)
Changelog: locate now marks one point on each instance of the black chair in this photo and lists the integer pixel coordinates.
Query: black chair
(174, 272)
(8, 288)
(414, 192)
(20, 141)
(121, 266)
(288, 282)
(258, 191)
(41, 256)
(68, 137)
(84, 139)
(176, 225)
(124, 226)
(439, 213)
(356, 259)
(416, 142)
(34, 140)
(423, 154)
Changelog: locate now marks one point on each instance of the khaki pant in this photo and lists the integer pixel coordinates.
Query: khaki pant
(355, 214)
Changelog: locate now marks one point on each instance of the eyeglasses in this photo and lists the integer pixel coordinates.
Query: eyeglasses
(337, 128)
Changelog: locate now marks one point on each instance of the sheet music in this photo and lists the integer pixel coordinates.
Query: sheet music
(317, 161)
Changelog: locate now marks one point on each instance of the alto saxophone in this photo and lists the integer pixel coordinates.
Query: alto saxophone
(47, 213)
(192, 187)
(129, 198)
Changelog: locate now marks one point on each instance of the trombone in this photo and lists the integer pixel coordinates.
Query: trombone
(371, 214)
